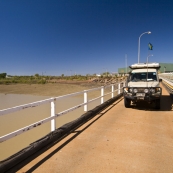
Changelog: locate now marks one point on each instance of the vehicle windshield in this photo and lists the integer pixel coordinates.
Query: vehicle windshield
(143, 76)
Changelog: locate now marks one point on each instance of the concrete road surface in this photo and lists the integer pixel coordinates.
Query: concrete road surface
(118, 140)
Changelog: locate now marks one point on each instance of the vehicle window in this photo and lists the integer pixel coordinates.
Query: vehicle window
(150, 76)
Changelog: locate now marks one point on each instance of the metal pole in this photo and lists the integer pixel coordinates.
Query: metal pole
(139, 43)
(102, 94)
(112, 90)
(119, 91)
(147, 68)
(85, 101)
(53, 124)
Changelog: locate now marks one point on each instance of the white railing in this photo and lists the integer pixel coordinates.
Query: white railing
(167, 76)
(167, 79)
(53, 108)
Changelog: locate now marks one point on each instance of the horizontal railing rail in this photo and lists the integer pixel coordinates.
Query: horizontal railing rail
(54, 115)
(167, 79)
(167, 76)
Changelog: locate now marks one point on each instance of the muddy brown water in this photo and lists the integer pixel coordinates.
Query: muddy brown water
(20, 119)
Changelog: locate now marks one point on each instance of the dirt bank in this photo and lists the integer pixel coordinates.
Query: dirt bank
(49, 89)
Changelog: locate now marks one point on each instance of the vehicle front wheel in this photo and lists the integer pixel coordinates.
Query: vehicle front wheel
(157, 104)
(127, 102)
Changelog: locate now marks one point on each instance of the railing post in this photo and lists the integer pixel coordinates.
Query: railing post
(112, 90)
(85, 101)
(119, 88)
(102, 94)
(53, 124)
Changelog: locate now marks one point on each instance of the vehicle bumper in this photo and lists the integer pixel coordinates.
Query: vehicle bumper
(140, 98)
(141, 95)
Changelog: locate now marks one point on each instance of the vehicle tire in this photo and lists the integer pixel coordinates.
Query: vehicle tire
(127, 102)
(157, 104)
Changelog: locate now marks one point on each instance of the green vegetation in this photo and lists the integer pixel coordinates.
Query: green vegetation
(40, 79)
(3, 75)
(23, 79)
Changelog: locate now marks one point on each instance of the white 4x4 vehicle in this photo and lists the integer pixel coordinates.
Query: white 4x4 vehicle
(143, 84)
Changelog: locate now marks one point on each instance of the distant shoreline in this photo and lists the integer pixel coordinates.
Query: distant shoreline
(48, 89)
(56, 87)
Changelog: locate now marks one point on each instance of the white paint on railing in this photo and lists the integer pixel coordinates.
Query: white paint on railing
(112, 91)
(53, 123)
(167, 76)
(102, 94)
(22, 107)
(119, 89)
(53, 109)
(85, 101)
(167, 79)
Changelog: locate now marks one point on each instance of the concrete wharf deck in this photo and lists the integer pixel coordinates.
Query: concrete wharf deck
(138, 139)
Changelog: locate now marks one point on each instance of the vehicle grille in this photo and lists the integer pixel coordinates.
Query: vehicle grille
(140, 90)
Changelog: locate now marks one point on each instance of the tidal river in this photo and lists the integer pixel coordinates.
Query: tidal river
(19, 119)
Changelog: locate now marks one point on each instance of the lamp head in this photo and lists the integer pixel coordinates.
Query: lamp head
(149, 56)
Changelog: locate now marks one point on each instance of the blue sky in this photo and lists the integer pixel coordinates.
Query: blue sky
(54, 37)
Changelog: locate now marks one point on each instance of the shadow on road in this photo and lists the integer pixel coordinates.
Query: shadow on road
(74, 133)
(166, 104)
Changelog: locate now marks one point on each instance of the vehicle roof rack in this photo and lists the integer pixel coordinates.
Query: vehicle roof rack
(145, 65)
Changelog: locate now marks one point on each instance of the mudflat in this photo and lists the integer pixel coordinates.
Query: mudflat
(18, 94)
(50, 89)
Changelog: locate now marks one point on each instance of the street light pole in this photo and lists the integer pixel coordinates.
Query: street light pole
(147, 68)
(147, 58)
(139, 44)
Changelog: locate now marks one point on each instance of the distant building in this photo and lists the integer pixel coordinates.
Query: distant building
(8, 76)
(164, 68)
(114, 73)
(123, 70)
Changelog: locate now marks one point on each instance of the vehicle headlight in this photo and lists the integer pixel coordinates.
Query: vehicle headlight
(157, 89)
(152, 90)
(131, 90)
(135, 90)
(146, 90)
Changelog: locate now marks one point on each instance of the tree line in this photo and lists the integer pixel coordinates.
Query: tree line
(3, 75)
(41, 79)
